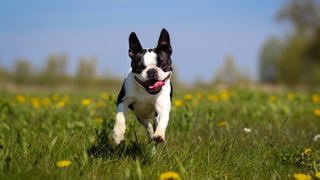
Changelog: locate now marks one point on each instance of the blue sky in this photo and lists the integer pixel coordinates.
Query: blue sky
(202, 32)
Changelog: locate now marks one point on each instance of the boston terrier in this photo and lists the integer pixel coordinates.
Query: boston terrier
(146, 89)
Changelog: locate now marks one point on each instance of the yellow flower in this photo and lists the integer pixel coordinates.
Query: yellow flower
(225, 95)
(104, 95)
(213, 97)
(63, 163)
(301, 176)
(35, 102)
(317, 112)
(307, 151)
(170, 175)
(98, 120)
(315, 98)
(223, 124)
(177, 103)
(290, 96)
(86, 102)
(61, 104)
(21, 99)
(272, 98)
(317, 175)
(188, 97)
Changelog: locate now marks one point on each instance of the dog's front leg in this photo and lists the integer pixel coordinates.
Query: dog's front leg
(120, 124)
(161, 124)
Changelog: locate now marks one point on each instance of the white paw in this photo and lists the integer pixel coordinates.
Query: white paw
(118, 134)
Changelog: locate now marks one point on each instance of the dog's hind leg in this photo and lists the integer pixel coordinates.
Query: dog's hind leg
(120, 124)
(148, 126)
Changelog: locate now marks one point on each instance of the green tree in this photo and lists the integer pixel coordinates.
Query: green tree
(297, 60)
(86, 72)
(303, 15)
(269, 59)
(229, 74)
(22, 72)
(292, 66)
(55, 71)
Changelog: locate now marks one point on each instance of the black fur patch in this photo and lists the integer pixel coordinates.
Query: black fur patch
(137, 62)
(121, 95)
(131, 107)
(171, 92)
(163, 60)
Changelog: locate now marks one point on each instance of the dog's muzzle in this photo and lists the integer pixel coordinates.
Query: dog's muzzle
(152, 86)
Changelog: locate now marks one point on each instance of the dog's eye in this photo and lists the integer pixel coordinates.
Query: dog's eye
(163, 65)
(137, 66)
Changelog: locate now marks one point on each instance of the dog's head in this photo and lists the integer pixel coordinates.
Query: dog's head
(151, 67)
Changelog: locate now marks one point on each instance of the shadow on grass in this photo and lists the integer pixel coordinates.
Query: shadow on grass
(104, 148)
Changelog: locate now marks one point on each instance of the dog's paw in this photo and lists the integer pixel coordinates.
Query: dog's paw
(117, 138)
(159, 139)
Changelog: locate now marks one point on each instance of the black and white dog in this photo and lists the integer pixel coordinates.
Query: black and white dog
(146, 89)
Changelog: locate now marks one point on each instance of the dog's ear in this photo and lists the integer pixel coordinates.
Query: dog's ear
(134, 45)
(164, 42)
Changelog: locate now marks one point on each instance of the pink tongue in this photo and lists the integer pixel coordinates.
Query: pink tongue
(157, 85)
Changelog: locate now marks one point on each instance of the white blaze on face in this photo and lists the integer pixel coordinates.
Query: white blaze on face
(150, 58)
(150, 61)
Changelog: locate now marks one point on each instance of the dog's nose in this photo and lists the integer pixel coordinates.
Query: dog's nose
(152, 74)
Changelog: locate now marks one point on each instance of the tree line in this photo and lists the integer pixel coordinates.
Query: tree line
(295, 59)
(55, 73)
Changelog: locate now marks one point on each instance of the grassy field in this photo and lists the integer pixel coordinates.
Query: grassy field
(230, 134)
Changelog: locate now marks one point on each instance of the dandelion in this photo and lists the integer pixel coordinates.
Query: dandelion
(223, 124)
(307, 151)
(63, 163)
(35, 102)
(225, 95)
(316, 137)
(98, 120)
(61, 104)
(188, 97)
(247, 130)
(301, 176)
(86, 102)
(317, 112)
(170, 175)
(317, 175)
(272, 98)
(177, 103)
(315, 98)
(21, 99)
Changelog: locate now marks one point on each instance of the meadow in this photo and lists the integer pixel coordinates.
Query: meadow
(212, 134)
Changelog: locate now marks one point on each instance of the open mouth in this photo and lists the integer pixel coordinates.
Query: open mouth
(152, 86)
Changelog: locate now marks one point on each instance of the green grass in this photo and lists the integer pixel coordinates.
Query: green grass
(205, 137)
